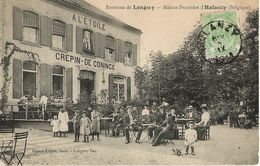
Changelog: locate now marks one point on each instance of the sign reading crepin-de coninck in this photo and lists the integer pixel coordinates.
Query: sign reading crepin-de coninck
(219, 41)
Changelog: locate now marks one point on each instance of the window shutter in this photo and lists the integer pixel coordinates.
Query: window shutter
(128, 89)
(117, 50)
(79, 41)
(102, 41)
(17, 23)
(134, 54)
(45, 79)
(97, 43)
(69, 83)
(69, 37)
(46, 31)
(110, 85)
(17, 78)
(122, 52)
(120, 57)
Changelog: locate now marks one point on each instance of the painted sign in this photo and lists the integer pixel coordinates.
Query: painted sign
(88, 21)
(84, 61)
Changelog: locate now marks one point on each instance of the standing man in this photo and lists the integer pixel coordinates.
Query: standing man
(95, 117)
(43, 102)
(201, 126)
(64, 119)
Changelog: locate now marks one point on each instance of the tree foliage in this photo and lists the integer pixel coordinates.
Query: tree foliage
(184, 78)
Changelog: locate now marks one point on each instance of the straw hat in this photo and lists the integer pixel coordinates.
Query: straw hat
(203, 106)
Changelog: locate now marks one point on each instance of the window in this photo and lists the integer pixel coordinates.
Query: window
(29, 78)
(110, 48)
(88, 42)
(119, 88)
(57, 81)
(30, 26)
(58, 34)
(128, 52)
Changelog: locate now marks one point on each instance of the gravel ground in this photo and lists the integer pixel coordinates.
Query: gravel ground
(226, 146)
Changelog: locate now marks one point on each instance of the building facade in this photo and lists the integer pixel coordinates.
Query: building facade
(75, 49)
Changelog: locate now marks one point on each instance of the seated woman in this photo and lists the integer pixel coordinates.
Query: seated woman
(165, 128)
(201, 127)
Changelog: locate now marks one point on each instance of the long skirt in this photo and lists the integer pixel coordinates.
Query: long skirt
(64, 127)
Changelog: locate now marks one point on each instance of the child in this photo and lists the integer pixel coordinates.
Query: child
(190, 138)
(76, 125)
(85, 126)
(95, 117)
(55, 123)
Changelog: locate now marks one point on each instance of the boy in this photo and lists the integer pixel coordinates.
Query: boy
(190, 138)
(85, 126)
(76, 125)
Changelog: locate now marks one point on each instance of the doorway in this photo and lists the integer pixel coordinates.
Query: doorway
(87, 84)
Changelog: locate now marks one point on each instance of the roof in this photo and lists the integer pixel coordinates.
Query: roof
(91, 10)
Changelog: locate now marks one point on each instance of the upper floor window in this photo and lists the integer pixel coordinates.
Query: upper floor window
(58, 34)
(128, 52)
(110, 48)
(57, 81)
(88, 41)
(30, 26)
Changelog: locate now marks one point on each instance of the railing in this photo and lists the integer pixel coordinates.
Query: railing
(35, 111)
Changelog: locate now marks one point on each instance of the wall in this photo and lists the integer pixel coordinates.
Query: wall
(47, 55)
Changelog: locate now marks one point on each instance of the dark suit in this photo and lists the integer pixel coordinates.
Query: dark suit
(160, 133)
(135, 127)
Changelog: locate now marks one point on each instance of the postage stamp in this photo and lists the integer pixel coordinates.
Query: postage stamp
(219, 40)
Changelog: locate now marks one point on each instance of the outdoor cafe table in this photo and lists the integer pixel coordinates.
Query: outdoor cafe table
(145, 128)
(181, 122)
(106, 121)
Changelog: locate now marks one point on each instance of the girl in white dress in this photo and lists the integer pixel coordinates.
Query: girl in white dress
(55, 123)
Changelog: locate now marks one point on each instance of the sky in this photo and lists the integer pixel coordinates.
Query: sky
(166, 29)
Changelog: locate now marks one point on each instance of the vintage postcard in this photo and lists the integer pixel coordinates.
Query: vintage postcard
(129, 82)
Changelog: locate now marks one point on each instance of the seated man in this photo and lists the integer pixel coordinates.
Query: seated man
(115, 121)
(160, 132)
(201, 127)
(131, 124)
(157, 118)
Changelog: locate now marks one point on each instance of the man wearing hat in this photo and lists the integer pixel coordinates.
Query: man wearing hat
(201, 126)
(76, 125)
(162, 130)
(131, 124)
(190, 112)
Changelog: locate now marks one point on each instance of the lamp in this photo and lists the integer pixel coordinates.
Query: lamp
(103, 77)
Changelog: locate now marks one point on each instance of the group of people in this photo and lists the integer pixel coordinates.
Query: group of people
(82, 124)
(159, 121)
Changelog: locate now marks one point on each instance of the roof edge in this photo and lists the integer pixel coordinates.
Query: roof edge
(78, 8)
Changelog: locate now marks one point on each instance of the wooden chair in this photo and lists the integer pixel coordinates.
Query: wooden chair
(207, 135)
(169, 137)
(16, 149)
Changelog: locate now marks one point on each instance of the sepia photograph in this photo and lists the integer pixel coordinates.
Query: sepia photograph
(129, 82)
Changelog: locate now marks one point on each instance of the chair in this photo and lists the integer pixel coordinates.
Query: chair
(170, 136)
(133, 134)
(207, 135)
(16, 148)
